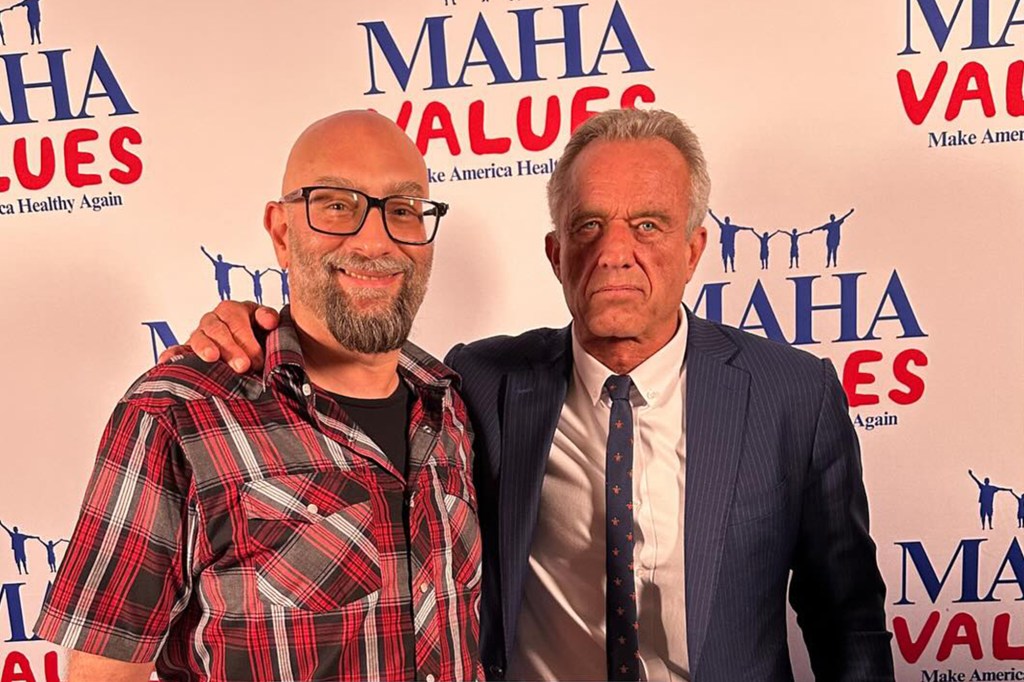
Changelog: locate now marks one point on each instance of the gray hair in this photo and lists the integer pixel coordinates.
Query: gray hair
(634, 124)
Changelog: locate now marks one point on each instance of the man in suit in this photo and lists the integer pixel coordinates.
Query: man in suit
(649, 482)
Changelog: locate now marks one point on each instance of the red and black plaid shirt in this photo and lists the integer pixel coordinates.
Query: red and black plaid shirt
(243, 528)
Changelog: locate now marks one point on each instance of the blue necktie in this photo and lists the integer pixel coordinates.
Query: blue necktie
(622, 643)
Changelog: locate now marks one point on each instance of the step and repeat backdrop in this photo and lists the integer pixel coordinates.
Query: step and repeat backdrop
(867, 162)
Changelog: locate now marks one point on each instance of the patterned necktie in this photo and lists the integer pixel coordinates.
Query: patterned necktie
(622, 643)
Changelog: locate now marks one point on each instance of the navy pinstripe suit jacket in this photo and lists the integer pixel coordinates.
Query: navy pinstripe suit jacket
(773, 485)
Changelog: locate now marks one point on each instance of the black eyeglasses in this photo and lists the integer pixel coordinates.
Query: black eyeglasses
(342, 211)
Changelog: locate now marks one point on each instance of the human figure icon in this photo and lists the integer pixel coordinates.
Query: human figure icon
(764, 238)
(832, 230)
(727, 238)
(257, 283)
(51, 552)
(986, 498)
(285, 291)
(794, 246)
(18, 540)
(1020, 509)
(221, 273)
(33, 16)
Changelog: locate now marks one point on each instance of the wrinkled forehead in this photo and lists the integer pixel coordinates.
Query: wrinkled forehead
(649, 172)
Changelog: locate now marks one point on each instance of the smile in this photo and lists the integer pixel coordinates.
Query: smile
(370, 278)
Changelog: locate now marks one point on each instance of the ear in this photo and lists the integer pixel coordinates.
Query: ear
(275, 222)
(553, 249)
(694, 248)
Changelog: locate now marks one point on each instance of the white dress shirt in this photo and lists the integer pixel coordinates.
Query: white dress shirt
(561, 629)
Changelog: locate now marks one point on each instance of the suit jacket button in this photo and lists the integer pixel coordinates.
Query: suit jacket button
(497, 672)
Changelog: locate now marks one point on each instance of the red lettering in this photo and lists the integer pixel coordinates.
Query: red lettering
(917, 108)
(634, 93)
(961, 631)
(75, 158)
(971, 72)
(853, 377)
(914, 383)
(478, 140)
(552, 123)
(132, 163)
(1015, 89)
(17, 668)
(47, 164)
(436, 121)
(584, 96)
(404, 114)
(437, 124)
(911, 648)
(1002, 650)
(5, 183)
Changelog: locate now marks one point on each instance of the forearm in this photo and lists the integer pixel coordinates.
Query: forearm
(84, 667)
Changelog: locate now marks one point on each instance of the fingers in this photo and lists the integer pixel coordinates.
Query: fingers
(214, 340)
(267, 318)
(170, 353)
(202, 340)
(239, 319)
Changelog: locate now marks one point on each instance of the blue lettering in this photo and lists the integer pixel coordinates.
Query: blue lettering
(433, 27)
(969, 549)
(763, 307)
(11, 592)
(111, 88)
(940, 28)
(904, 312)
(528, 42)
(1009, 22)
(805, 308)
(628, 45)
(58, 85)
(1015, 558)
(492, 56)
(713, 305)
(160, 331)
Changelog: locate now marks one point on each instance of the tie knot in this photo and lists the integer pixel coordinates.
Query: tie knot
(618, 386)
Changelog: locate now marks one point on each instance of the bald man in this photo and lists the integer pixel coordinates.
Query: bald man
(315, 519)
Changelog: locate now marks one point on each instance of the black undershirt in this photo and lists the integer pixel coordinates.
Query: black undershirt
(384, 420)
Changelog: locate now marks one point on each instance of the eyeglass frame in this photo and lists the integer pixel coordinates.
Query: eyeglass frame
(371, 203)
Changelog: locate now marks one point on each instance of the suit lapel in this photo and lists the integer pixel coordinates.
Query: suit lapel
(533, 397)
(716, 408)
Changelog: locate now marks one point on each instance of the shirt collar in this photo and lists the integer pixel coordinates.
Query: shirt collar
(652, 379)
(283, 351)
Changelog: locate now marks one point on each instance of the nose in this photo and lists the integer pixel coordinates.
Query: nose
(372, 240)
(615, 248)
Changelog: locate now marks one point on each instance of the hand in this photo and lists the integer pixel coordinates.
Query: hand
(228, 334)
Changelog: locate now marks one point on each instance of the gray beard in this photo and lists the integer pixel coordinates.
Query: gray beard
(378, 331)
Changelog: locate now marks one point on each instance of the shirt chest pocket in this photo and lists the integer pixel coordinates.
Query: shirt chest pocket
(462, 524)
(312, 540)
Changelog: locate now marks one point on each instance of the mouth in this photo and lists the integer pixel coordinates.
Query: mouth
(368, 279)
(616, 290)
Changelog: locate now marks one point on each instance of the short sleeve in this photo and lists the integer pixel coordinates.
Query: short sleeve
(124, 577)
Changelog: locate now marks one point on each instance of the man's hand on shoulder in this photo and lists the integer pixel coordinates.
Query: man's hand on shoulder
(228, 333)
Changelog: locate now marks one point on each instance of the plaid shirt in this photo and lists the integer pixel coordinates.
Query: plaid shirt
(243, 528)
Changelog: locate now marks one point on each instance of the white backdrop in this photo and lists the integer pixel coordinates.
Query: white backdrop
(800, 110)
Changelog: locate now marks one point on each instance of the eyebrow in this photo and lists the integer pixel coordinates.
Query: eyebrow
(587, 213)
(401, 187)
